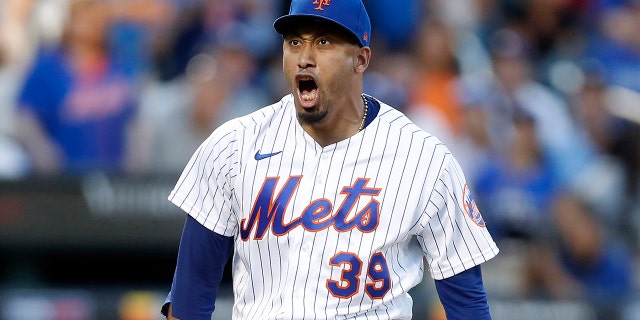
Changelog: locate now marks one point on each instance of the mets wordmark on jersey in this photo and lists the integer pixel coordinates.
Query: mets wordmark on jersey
(333, 232)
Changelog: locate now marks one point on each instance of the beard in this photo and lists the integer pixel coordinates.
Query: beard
(312, 116)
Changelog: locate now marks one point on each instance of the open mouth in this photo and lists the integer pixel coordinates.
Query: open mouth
(308, 91)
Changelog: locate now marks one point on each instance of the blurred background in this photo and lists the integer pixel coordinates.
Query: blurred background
(102, 102)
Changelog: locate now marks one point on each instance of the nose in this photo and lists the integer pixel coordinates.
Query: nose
(306, 59)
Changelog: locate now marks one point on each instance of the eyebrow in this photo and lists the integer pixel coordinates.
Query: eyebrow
(315, 35)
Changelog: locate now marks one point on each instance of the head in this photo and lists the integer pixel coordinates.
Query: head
(435, 49)
(86, 25)
(211, 89)
(325, 53)
(578, 227)
(511, 57)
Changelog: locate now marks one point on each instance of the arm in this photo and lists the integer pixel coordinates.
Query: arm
(202, 257)
(44, 153)
(463, 296)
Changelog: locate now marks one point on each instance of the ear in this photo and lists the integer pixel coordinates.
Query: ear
(362, 59)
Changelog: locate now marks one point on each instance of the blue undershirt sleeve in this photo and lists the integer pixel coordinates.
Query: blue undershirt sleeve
(463, 296)
(202, 257)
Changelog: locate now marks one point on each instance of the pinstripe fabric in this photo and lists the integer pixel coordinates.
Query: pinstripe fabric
(336, 232)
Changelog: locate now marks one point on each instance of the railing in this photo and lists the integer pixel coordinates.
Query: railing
(92, 210)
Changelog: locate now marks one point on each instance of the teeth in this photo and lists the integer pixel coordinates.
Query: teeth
(308, 97)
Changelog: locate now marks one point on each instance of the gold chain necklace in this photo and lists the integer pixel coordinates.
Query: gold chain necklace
(366, 108)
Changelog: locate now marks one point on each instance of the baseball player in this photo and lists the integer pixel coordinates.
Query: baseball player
(329, 199)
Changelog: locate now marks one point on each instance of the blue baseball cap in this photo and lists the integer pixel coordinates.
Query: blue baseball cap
(348, 14)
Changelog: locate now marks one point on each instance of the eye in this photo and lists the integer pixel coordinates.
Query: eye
(324, 41)
(294, 42)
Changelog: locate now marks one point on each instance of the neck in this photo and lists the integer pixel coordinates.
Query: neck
(345, 122)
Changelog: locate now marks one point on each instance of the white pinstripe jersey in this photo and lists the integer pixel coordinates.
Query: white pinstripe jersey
(334, 232)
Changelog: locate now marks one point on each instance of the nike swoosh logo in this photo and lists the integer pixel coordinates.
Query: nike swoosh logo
(260, 156)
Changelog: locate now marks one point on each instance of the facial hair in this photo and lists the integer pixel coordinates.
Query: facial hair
(311, 117)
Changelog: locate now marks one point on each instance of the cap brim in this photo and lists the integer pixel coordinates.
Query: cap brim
(286, 23)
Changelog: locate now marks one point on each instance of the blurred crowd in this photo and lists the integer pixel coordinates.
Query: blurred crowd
(538, 99)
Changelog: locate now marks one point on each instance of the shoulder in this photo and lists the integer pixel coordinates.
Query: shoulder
(245, 129)
(539, 96)
(392, 121)
(398, 138)
(48, 57)
(47, 63)
(265, 115)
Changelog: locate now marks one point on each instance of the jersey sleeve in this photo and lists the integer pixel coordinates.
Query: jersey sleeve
(38, 94)
(463, 296)
(204, 187)
(455, 237)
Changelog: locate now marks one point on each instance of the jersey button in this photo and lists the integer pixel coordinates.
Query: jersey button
(324, 156)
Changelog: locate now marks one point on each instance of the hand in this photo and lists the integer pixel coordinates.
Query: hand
(169, 315)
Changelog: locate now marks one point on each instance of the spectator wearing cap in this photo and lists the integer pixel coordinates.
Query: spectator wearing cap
(517, 188)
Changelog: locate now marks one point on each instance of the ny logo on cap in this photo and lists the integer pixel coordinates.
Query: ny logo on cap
(321, 3)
